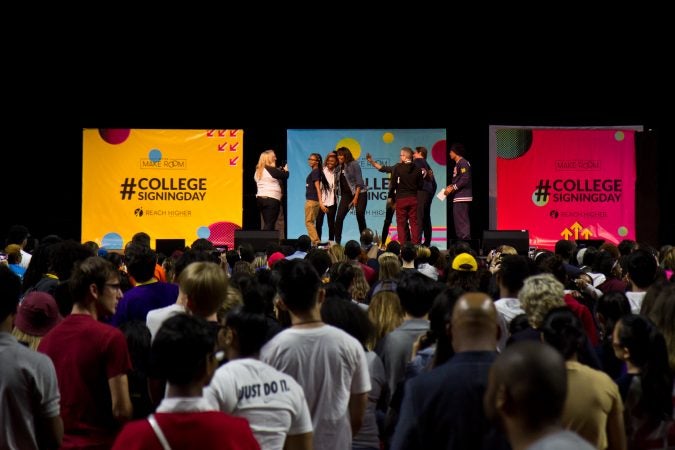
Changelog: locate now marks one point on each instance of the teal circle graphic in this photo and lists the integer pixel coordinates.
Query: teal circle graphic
(513, 143)
(155, 155)
(203, 232)
(623, 231)
(540, 201)
(112, 241)
(619, 136)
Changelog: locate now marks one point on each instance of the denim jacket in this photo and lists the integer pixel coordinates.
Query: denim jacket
(353, 175)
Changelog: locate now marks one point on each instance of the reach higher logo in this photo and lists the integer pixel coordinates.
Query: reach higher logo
(181, 189)
(571, 190)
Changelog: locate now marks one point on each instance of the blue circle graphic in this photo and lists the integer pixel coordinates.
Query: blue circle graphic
(112, 241)
(203, 232)
(155, 155)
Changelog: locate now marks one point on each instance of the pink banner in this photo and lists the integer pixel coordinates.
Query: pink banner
(566, 184)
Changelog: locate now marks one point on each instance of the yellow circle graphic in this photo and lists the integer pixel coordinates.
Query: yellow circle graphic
(352, 144)
(388, 137)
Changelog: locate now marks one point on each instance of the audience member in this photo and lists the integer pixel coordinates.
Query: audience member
(593, 406)
(29, 394)
(329, 364)
(647, 385)
(272, 401)
(183, 353)
(354, 320)
(416, 293)
(38, 313)
(442, 408)
(149, 293)
(526, 394)
(19, 234)
(91, 359)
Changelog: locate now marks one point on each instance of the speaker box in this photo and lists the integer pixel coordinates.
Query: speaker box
(168, 246)
(473, 243)
(259, 239)
(518, 239)
(581, 243)
(290, 242)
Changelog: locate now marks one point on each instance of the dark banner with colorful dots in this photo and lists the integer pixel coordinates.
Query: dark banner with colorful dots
(384, 146)
(563, 183)
(171, 184)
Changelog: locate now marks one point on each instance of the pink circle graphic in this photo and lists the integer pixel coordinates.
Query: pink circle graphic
(438, 153)
(222, 234)
(114, 136)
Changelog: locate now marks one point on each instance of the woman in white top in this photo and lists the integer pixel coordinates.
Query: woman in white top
(268, 179)
(329, 203)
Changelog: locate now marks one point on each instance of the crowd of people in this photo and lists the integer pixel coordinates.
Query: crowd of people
(349, 347)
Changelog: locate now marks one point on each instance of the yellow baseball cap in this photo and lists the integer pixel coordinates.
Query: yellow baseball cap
(465, 262)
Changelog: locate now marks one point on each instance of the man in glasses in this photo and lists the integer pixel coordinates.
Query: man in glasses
(91, 359)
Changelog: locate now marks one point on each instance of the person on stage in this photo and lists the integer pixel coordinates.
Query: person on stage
(269, 180)
(389, 211)
(406, 180)
(329, 198)
(352, 191)
(314, 185)
(461, 191)
(424, 195)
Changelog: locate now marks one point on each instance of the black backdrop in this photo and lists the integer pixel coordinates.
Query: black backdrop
(43, 135)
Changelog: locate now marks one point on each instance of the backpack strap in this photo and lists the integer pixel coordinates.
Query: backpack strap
(158, 432)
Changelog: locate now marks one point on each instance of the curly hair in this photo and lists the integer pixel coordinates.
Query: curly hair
(540, 294)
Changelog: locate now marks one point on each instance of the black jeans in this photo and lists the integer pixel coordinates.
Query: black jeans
(332, 210)
(424, 216)
(388, 217)
(343, 209)
(269, 208)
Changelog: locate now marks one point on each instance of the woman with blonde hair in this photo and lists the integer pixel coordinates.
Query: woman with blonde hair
(388, 275)
(37, 314)
(337, 253)
(268, 179)
(540, 294)
(359, 287)
(386, 313)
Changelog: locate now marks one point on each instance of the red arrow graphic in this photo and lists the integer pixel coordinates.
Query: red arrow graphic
(221, 147)
(233, 133)
(221, 133)
(233, 161)
(233, 147)
(209, 133)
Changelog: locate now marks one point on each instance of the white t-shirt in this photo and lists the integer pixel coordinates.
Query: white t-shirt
(330, 365)
(268, 186)
(507, 308)
(156, 317)
(328, 197)
(25, 259)
(635, 300)
(273, 403)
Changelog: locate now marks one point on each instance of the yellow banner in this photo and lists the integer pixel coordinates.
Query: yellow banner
(171, 184)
